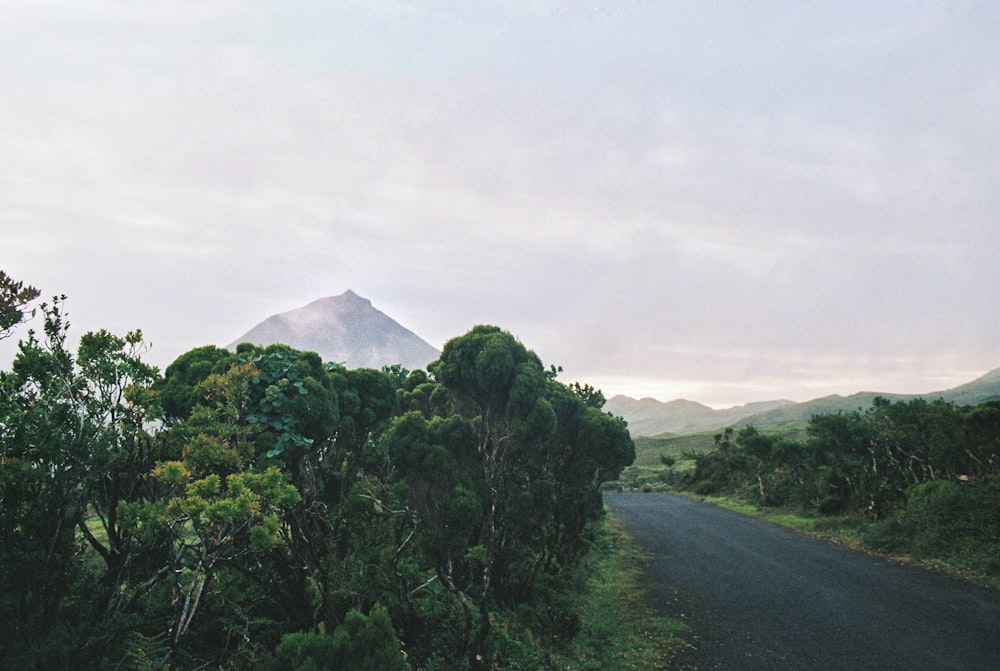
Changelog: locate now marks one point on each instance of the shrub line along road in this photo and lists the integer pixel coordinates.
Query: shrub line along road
(760, 597)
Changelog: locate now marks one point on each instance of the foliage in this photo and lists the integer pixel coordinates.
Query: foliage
(178, 388)
(14, 297)
(362, 643)
(74, 448)
(948, 521)
(689, 446)
(923, 473)
(617, 628)
(507, 476)
(264, 509)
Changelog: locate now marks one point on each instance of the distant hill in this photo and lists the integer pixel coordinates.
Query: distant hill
(345, 329)
(649, 417)
(981, 389)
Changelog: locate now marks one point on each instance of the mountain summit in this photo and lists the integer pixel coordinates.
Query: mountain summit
(345, 329)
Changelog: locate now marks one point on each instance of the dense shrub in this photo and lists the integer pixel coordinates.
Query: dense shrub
(924, 475)
(957, 522)
(196, 520)
(361, 643)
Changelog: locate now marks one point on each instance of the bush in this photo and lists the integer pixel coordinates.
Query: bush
(361, 643)
(716, 472)
(946, 520)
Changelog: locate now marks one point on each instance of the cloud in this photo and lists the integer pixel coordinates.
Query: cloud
(717, 195)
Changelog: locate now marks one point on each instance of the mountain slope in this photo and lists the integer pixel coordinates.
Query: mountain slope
(649, 417)
(984, 388)
(345, 329)
(981, 389)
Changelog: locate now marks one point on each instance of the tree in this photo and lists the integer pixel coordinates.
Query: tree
(499, 385)
(223, 507)
(557, 485)
(543, 450)
(367, 402)
(14, 297)
(73, 448)
(438, 463)
(178, 388)
(981, 431)
(293, 404)
(194, 521)
(590, 396)
(43, 431)
(120, 405)
(842, 442)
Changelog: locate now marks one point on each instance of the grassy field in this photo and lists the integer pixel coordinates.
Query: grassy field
(649, 449)
(661, 461)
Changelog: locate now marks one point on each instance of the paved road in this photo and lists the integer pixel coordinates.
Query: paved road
(759, 597)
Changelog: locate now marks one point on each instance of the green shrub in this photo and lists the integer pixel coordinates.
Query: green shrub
(946, 520)
(361, 643)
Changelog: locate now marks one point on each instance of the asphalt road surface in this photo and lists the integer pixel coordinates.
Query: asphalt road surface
(759, 597)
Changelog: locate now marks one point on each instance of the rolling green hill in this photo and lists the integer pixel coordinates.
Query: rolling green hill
(648, 449)
(649, 417)
(981, 389)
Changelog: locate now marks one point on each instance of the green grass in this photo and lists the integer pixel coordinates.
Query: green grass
(619, 630)
(648, 449)
(649, 479)
(785, 518)
(846, 529)
(648, 472)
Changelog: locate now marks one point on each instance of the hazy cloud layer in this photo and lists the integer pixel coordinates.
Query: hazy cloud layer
(725, 201)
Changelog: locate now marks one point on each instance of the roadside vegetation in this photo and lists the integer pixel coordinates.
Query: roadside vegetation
(263, 509)
(912, 479)
(619, 630)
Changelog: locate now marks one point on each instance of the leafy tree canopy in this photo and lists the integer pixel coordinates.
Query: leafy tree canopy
(265, 509)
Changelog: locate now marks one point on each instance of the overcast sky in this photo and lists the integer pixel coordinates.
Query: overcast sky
(721, 201)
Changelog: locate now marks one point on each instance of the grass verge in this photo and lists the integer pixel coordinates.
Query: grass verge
(619, 630)
(846, 530)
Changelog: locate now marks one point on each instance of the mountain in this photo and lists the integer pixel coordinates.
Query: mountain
(649, 417)
(984, 388)
(345, 329)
